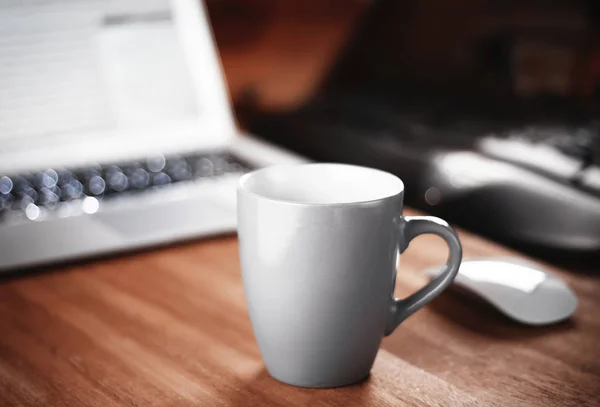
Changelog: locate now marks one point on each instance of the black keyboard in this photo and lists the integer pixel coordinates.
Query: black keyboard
(579, 142)
(415, 130)
(48, 189)
(450, 126)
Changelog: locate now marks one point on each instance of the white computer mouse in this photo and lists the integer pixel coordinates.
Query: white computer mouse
(519, 289)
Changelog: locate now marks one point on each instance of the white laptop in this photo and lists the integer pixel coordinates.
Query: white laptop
(116, 130)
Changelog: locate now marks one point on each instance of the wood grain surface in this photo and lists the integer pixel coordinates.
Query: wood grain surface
(169, 328)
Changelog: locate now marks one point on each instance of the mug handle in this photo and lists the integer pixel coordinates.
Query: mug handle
(411, 227)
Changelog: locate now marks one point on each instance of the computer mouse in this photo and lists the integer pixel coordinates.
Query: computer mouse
(521, 290)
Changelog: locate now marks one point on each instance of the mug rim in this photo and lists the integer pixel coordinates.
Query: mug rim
(244, 179)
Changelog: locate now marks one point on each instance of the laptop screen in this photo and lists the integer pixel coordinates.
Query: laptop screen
(90, 67)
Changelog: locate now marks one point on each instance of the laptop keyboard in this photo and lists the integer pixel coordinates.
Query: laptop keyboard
(54, 190)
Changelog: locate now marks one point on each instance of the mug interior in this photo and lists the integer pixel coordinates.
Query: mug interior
(324, 184)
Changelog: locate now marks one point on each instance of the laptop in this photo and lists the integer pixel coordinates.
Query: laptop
(116, 131)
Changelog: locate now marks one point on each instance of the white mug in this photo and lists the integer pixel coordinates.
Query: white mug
(319, 248)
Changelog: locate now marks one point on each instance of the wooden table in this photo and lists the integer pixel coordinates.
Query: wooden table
(169, 328)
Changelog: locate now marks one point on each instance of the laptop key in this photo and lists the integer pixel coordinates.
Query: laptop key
(49, 196)
(161, 179)
(219, 165)
(64, 177)
(28, 192)
(139, 178)
(6, 201)
(179, 169)
(156, 163)
(71, 190)
(24, 198)
(116, 180)
(202, 167)
(6, 185)
(46, 179)
(95, 185)
(21, 183)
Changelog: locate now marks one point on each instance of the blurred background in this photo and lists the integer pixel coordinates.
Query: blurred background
(279, 51)
(275, 53)
(488, 110)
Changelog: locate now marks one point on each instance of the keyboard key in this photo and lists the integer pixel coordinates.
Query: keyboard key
(32, 211)
(219, 165)
(156, 163)
(90, 205)
(64, 177)
(25, 199)
(21, 183)
(235, 168)
(179, 170)
(27, 192)
(139, 178)
(96, 185)
(6, 201)
(161, 179)
(6, 185)
(203, 167)
(46, 179)
(116, 180)
(89, 173)
(71, 190)
(49, 196)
